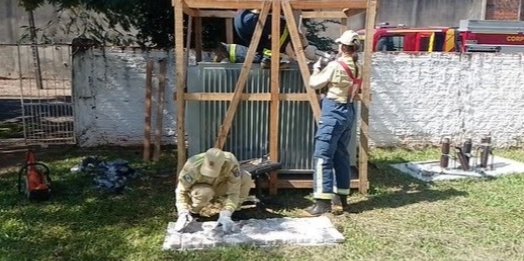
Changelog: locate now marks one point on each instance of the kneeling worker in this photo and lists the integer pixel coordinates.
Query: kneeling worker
(204, 178)
(232, 53)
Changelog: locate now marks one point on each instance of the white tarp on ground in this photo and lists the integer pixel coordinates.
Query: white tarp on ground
(317, 231)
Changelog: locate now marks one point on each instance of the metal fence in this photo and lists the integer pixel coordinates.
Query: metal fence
(249, 134)
(35, 93)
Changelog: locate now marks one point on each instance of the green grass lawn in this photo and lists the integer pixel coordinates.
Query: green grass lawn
(401, 219)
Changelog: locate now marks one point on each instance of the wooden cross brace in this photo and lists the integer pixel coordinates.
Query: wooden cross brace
(301, 58)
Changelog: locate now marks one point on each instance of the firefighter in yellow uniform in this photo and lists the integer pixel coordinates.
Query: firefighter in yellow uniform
(206, 177)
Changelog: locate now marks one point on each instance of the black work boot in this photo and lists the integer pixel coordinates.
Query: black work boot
(344, 202)
(340, 204)
(320, 207)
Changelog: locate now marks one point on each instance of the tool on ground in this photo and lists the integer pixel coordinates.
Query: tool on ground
(260, 168)
(37, 180)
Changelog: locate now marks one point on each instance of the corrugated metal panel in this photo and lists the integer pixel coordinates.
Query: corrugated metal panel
(249, 134)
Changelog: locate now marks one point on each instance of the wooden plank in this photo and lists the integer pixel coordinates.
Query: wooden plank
(217, 13)
(208, 96)
(296, 4)
(147, 126)
(301, 57)
(216, 96)
(198, 39)
(229, 31)
(241, 83)
(305, 14)
(365, 97)
(323, 14)
(160, 108)
(180, 85)
(332, 4)
(189, 11)
(275, 90)
(352, 12)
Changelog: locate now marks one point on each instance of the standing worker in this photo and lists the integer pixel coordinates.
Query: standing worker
(204, 178)
(245, 22)
(342, 78)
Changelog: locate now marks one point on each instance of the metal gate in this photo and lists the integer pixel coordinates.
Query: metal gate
(39, 76)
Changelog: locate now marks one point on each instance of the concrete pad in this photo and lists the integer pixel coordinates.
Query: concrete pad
(429, 171)
(315, 231)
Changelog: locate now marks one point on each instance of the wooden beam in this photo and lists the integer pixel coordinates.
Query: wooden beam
(364, 103)
(275, 90)
(162, 75)
(301, 58)
(147, 126)
(217, 13)
(327, 14)
(206, 96)
(296, 4)
(333, 4)
(180, 85)
(244, 73)
(198, 39)
(221, 96)
(229, 31)
(352, 12)
(189, 11)
(305, 14)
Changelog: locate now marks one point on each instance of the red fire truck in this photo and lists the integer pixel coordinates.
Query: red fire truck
(470, 36)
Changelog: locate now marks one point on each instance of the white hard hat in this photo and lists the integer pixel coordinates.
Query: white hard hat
(349, 37)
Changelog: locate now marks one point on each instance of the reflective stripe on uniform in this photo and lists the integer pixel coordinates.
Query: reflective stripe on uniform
(341, 191)
(232, 53)
(283, 38)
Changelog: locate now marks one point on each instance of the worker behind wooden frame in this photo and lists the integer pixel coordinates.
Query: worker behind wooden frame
(204, 178)
(245, 23)
(232, 53)
(332, 168)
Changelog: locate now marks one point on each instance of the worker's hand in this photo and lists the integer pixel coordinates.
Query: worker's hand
(317, 66)
(184, 218)
(224, 219)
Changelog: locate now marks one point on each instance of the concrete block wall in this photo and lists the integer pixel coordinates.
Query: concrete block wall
(419, 98)
(416, 98)
(109, 96)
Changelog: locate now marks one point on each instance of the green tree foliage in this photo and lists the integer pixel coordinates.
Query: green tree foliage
(133, 22)
(313, 29)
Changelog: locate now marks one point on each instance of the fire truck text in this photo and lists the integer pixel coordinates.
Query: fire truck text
(515, 38)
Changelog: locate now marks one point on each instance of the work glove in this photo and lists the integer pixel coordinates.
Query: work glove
(224, 219)
(317, 66)
(184, 218)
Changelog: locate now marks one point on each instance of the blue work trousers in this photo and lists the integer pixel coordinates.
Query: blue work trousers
(332, 170)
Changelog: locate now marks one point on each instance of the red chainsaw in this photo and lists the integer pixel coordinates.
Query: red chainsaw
(37, 181)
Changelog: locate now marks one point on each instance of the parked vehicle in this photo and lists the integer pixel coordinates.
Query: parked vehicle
(470, 36)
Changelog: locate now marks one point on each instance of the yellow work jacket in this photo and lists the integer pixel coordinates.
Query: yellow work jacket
(190, 175)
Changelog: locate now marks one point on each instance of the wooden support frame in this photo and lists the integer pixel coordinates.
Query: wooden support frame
(223, 9)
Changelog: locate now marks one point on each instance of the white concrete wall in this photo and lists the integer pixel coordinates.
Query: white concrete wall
(109, 94)
(416, 98)
(420, 98)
